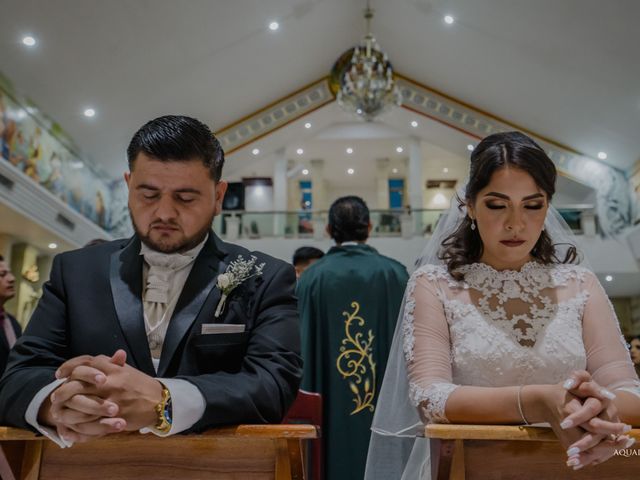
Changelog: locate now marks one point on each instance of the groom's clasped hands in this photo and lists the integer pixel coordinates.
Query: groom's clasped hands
(100, 395)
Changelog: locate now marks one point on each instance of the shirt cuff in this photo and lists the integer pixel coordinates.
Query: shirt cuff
(31, 416)
(187, 404)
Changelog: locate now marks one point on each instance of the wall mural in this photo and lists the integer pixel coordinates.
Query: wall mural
(40, 149)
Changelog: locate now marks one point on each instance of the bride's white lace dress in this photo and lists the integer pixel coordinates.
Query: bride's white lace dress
(506, 328)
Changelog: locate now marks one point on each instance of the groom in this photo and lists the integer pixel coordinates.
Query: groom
(141, 334)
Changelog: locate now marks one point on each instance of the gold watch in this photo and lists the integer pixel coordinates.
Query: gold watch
(164, 411)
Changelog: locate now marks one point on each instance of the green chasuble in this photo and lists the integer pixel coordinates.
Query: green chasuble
(349, 302)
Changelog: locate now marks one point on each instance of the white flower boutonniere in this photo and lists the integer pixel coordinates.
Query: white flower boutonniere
(236, 273)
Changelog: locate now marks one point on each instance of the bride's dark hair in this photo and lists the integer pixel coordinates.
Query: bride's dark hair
(514, 149)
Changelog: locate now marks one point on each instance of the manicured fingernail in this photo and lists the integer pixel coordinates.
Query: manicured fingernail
(573, 451)
(626, 429)
(606, 393)
(58, 374)
(573, 462)
(566, 424)
(630, 442)
(112, 410)
(100, 378)
(578, 467)
(119, 425)
(569, 384)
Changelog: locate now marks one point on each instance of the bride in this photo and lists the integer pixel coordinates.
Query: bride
(502, 324)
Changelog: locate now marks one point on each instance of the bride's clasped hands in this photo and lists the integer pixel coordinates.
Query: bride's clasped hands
(582, 414)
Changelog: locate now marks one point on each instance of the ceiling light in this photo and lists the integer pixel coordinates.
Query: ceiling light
(470, 147)
(602, 155)
(351, 171)
(255, 151)
(395, 170)
(299, 151)
(445, 170)
(608, 278)
(273, 26)
(414, 124)
(399, 149)
(53, 246)
(29, 41)
(448, 19)
(305, 171)
(349, 150)
(307, 125)
(89, 112)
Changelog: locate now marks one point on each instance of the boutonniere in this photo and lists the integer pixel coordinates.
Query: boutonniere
(236, 273)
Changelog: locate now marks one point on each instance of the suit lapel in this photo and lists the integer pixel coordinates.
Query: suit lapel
(198, 287)
(126, 287)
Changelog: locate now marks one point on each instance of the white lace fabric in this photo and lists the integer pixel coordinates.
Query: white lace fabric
(505, 328)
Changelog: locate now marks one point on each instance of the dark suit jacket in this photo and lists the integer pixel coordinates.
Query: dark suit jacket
(92, 305)
(4, 345)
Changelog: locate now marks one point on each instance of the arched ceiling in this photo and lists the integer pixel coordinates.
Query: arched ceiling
(565, 69)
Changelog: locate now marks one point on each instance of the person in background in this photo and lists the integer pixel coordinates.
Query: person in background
(349, 303)
(634, 346)
(9, 327)
(304, 257)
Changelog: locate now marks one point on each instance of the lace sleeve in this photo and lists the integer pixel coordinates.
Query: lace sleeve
(427, 346)
(608, 358)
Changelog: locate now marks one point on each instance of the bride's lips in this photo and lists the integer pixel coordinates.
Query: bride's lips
(512, 243)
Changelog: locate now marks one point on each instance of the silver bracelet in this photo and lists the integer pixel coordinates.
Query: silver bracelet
(520, 406)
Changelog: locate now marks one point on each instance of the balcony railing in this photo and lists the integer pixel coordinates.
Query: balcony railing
(386, 223)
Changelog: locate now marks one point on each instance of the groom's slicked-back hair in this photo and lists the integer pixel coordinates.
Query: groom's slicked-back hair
(349, 220)
(177, 138)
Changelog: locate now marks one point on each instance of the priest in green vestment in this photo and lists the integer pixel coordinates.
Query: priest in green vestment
(349, 302)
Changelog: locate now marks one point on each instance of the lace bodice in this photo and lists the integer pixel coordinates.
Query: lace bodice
(505, 328)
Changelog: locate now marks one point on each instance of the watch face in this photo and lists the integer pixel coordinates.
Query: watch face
(168, 411)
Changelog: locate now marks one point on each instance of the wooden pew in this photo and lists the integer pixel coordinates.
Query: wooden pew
(504, 452)
(252, 452)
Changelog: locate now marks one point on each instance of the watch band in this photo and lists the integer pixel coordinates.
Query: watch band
(164, 411)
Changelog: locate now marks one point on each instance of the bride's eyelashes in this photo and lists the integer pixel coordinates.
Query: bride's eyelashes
(528, 207)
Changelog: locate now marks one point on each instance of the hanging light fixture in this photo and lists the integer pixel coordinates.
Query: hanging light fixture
(365, 83)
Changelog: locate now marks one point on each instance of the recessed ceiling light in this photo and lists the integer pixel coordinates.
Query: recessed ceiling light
(307, 125)
(470, 147)
(273, 26)
(29, 41)
(414, 124)
(608, 278)
(351, 171)
(305, 171)
(448, 19)
(395, 170)
(299, 151)
(602, 155)
(399, 149)
(53, 246)
(349, 150)
(256, 151)
(445, 170)
(89, 112)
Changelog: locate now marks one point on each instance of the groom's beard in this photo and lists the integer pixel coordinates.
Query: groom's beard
(180, 243)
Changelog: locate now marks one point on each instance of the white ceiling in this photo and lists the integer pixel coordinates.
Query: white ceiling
(565, 69)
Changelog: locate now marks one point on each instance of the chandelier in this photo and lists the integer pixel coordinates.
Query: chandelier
(366, 84)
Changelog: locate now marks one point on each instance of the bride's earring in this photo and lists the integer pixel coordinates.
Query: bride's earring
(473, 224)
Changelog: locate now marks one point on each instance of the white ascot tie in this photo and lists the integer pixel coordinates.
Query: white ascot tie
(163, 281)
(161, 268)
